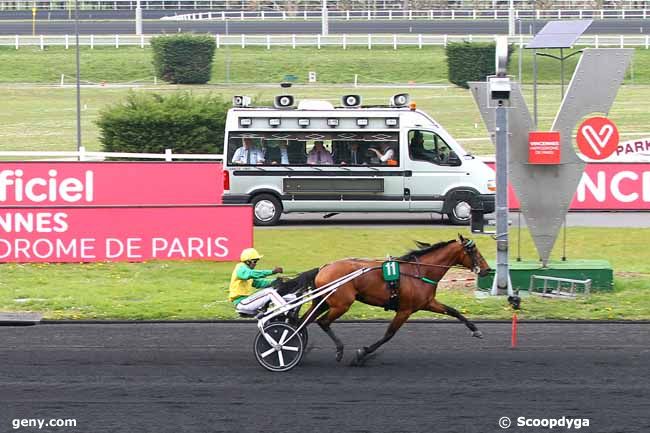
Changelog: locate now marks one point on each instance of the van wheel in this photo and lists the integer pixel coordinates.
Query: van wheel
(266, 210)
(461, 212)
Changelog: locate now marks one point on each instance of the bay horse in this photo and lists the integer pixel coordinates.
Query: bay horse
(420, 272)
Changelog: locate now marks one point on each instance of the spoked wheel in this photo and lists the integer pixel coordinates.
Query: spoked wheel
(276, 349)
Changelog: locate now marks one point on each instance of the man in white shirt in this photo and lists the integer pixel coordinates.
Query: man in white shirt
(386, 154)
(248, 154)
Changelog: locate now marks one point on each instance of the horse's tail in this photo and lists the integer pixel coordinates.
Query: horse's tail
(299, 283)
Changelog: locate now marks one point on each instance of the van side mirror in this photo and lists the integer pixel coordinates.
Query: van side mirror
(454, 160)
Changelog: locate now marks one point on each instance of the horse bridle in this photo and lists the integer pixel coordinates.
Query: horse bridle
(469, 247)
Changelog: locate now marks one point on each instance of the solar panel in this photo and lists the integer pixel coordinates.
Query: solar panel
(559, 34)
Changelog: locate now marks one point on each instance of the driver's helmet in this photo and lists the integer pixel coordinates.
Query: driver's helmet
(250, 254)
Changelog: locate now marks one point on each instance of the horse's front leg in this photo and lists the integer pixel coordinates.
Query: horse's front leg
(326, 320)
(437, 307)
(395, 324)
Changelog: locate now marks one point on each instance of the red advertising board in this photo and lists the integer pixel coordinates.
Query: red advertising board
(109, 183)
(91, 234)
(544, 147)
(608, 186)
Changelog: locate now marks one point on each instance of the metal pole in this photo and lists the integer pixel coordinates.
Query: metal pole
(562, 72)
(511, 18)
(501, 128)
(76, 32)
(138, 19)
(324, 21)
(519, 236)
(227, 54)
(535, 89)
(521, 53)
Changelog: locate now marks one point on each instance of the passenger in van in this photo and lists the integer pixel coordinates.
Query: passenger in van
(248, 154)
(319, 155)
(356, 155)
(385, 154)
(281, 154)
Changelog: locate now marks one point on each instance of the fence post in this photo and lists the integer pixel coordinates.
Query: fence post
(559, 14)
(420, 41)
(293, 41)
(318, 41)
(268, 42)
(623, 13)
(347, 15)
(345, 42)
(262, 15)
(368, 14)
(117, 41)
(410, 14)
(141, 41)
(431, 15)
(82, 153)
(537, 14)
(241, 15)
(41, 43)
(243, 40)
(470, 38)
(473, 14)
(444, 41)
(92, 42)
(647, 41)
(394, 42)
(596, 41)
(390, 14)
(284, 16)
(644, 13)
(580, 14)
(217, 40)
(369, 41)
(495, 14)
(223, 16)
(67, 42)
(168, 155)
(453, 14)
(17, 42)
(622, 41)
(602, 14)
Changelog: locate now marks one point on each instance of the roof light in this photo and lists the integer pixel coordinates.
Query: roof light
(333, 122)
(303, 122)
(274, 121)
(412, 106)
(245, 122)
(362, 121)
(392, 121)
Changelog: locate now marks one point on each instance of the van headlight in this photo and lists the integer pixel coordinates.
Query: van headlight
(492, 185)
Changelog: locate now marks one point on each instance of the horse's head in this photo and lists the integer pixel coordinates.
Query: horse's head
(472, 258)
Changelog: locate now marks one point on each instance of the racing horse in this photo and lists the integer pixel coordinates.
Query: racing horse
(420, 272)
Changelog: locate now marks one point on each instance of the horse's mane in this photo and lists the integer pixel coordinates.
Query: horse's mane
(426, 249)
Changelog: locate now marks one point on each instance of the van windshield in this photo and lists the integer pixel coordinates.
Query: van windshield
(313, 148)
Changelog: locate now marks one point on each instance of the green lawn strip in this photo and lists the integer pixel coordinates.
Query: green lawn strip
(43, 118)
(254, 64)
(198, 290)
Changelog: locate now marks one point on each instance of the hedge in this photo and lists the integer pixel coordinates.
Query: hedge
(152, 123)
(468, 61)
(183, 59)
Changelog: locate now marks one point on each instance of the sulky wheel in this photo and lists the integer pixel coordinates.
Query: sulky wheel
(277, 349)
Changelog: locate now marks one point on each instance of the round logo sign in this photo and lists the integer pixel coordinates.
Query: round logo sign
(597, 137)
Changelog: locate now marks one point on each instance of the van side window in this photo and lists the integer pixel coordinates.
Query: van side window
(428, 146)
(313, 148)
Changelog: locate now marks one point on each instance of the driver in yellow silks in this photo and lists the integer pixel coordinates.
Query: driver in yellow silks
(245, 279)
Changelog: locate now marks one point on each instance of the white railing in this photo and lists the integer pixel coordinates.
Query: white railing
(431, 14)
(339, 40)
(84, 155)
(294, 7)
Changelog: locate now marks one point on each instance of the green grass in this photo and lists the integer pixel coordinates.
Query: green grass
(43, 118)
(259, 65)
(197, 290)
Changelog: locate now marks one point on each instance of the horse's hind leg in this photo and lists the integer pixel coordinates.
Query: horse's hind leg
(395, 324)
(437, 307)
(325, 321)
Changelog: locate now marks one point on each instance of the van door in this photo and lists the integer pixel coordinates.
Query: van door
(434, 168)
